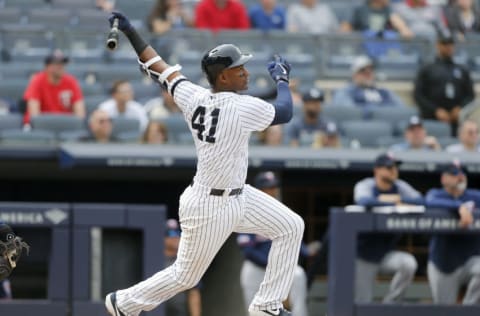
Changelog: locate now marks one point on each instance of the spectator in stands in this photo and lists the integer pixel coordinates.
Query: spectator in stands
(190, 300)
(416, 137)
(421, 17)
(100, 126)
(221, 14)
(271, 136)
(454, 259)
(161, 107)
(256, 249)
(169, 14)
(301, 130)
(468, 136)
(376, 17)
(122, 103)
(462, 17)
(52, 90)
(329, 138)
(267, 15)
(105, 5)
(362, 91)
(375, 252)
(443, 88)
(309, 16)
(156, 133)
(5, 290)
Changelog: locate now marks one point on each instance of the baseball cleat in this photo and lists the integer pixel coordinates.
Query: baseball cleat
(111, 305)
(273, 312)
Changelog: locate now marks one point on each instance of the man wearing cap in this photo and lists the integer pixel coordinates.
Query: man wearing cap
(329, 138)
(416, 137)
(376, 252)
(454, 259)
(52, 90)
(363, 92)
(443, 88)
(256, 249)
(468, 136)
(302, 129)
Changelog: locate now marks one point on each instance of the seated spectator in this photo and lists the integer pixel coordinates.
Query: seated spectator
(221, 14)
(443, 88)
(122, 104)
(267, 15)
(309, 16)
(161, 107)
(302, 129)
(329, 138)
(271, 136)
(167, 15)
(454, 259)
(5, 290)
(156, 133)
(52, 90)
(462, 17)
(105, 5)
(188, 303)
(468, 135)
(376, 252)
(376, 16)
(100, 126)
(420, 16)
(256, 250)
(416, 137)
(362, 91)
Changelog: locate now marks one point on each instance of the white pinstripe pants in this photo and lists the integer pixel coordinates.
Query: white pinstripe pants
(207, 221)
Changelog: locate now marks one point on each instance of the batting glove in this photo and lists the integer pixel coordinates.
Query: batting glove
(124, 24)
(279, 69)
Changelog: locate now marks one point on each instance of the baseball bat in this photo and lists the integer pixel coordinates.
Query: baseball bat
(112, 39)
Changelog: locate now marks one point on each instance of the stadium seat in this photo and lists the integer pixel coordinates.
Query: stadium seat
(52, 18)
(366, 132)
(434, 128)
(27, 42)
(32, 137)
(176, 126)
(11, 121)
(252, 41)
(342, 113)
(393, 115)
(13, 88)
(125, 129)
(58, 124)
(89, 18)
(92, 102)
(386, 142)
(84, 45)
(73, 4)
(446, 141)
(12, 15)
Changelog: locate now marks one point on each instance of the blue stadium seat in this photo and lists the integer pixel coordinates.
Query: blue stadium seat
(393, 115)
(12, 15)
(366, 132)
(11, 121)
(342, 113)
(32, 137)
(126, 129)
(434, 128)
(59, 125)
(27, 42)
(52, 18)
(176, 126)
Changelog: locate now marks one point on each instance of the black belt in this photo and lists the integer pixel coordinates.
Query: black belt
(220, 192)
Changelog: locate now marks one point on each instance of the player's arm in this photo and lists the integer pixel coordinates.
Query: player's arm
(150, 59)
(279, 70)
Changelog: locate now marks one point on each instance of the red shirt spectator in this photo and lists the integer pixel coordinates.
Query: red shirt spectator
(54, 91)
(221, 14)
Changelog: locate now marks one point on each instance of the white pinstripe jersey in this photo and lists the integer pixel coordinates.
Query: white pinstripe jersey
(221, 124)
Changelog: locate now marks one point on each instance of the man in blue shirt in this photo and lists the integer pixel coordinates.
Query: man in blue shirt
(267, 15)
(454, 259)
(256, 248)
(376, 252)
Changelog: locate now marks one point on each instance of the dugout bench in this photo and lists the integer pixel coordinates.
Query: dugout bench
(344, 227)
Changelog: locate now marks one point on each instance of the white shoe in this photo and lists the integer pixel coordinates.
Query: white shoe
(274, 312)
(111, 304)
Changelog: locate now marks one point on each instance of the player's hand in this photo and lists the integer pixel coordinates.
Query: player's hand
(124, 24)
(465, 212)
(279, 69)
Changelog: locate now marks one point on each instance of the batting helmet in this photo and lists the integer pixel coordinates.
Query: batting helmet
(221, 57)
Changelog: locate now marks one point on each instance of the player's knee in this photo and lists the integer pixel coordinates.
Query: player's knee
(409, 265)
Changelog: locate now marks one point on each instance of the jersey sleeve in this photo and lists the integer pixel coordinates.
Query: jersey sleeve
(184, 93)
(254, 113)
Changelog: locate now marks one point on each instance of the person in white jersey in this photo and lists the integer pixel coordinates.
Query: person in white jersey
(218, 202)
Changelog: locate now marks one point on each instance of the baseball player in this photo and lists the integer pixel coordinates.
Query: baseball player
(218, 202)
(376, 252)
(256, 249)
(454, 259)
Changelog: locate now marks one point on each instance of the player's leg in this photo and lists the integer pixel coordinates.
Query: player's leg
(403, 266)
(268, 217)
(472, 296)
(444, 286)
(365, 275)
(251, 276)
(298, 293)
(206, 222)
